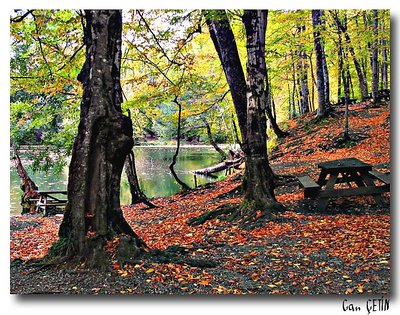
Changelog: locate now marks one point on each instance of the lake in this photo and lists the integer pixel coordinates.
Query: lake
(152, 166)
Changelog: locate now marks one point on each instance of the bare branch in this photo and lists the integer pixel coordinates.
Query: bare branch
(21, 18)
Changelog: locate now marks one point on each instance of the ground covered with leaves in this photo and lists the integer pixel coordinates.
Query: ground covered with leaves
(344, 251)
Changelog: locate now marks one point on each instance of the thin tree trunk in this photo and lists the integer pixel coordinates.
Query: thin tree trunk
(211, 139)
(136, 193)
(178, 143)
(384, 80)
(342, 27)
(346, 85)
(270, 108)
(93, 214)
(27, 185)
(375, 72)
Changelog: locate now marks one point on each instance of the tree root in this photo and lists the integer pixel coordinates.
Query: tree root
(176, 254)
(222, 210)
(248, 215)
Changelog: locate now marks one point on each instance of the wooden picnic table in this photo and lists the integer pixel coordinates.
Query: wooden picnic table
(357, 175)
(47, 200)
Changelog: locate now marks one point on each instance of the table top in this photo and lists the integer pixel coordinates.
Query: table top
(345, 164)
(44, 192)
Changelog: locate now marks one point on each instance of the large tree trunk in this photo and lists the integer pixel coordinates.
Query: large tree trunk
(323, 106)
(258, 179)
(93, 214)
(225, 45)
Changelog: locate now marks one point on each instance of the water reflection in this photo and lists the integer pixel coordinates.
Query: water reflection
(152, 164)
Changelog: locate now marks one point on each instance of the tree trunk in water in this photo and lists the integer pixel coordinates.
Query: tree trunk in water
(258, 179)
(93, 214)
(375, 73)
(225, 45)
(28, 186)
(323, 107)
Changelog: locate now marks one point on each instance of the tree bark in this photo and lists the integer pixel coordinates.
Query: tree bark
(323, 106)
(342, 27)
(258, 179)
(93, 214)
(270, 111)
(375, 72)
(225, 45)
(303, 76)
(28, 186)
(211, 139)
(385, 84)
(136, 193)
(178, 143)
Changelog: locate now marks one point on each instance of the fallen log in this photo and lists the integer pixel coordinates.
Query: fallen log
(219, 167)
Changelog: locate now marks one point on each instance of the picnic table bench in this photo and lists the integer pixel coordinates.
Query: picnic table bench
(47, 200)
(350, 171)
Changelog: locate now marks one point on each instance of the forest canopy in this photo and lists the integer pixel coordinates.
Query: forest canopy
(168, 53)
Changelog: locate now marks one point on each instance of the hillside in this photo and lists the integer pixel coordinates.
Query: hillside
(344, 251)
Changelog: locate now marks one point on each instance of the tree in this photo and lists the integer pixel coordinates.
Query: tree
(93, 214)
(303, 76)
(225, 45)
(342, 27)
(322, 75)
(258, 181)
(374, 59)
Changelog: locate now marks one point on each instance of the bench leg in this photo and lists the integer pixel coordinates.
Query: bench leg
(370, 182)
(323, 202)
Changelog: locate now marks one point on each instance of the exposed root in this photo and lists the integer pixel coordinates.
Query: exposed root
(247, 215)
(220, 211)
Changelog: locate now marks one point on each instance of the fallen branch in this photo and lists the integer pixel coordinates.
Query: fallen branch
(219, 167)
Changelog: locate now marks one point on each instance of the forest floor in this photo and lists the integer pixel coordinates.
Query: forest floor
(343, 251)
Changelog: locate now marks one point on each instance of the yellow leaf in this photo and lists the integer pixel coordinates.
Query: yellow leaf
(150, 270)
(360, 288)
(272, 285)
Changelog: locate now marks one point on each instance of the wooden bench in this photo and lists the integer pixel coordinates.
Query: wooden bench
(311, 188)
(384, 178)
(48, 203)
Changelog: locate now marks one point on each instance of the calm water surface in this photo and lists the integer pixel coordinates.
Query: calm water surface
(152, 164)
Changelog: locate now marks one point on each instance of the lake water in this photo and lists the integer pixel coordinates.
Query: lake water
(152, 166)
